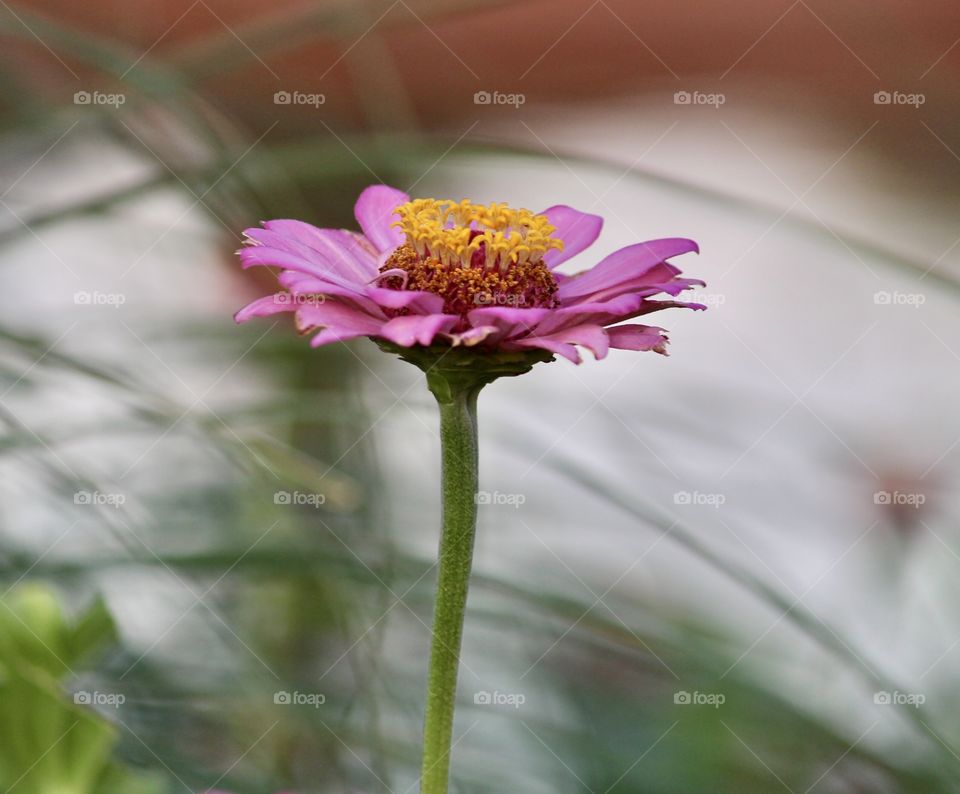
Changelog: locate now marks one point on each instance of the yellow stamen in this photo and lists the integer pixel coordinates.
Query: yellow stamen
(452, 232)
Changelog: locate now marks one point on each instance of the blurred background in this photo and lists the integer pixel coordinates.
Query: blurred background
(730, 570)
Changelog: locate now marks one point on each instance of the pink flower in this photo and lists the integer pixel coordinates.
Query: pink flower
(428, 272)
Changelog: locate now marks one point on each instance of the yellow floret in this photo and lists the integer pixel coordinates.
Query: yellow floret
(442, 229)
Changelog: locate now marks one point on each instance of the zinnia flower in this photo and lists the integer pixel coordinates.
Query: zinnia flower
(440, 273)
(468, 293)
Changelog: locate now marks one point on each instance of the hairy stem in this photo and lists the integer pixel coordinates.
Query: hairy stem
(458, 438)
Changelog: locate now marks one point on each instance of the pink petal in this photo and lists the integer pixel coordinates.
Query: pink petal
(415, 300)
(595, 312)
(473, 336)
(564, 349)
(345, 253)
(301, 284)
(339, 318)
(655, 306)
(262, 256)
(410, 330)
(638, 337)
(628, 263)
(592, 337)
(374, 211)
(661, 278)
(264, 307)
(508, 320)
(578, 230)
(623, 307)
(328, 336)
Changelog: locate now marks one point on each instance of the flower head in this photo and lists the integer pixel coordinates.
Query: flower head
(443, 274)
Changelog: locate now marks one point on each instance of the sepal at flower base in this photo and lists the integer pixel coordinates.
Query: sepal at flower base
(451, 371)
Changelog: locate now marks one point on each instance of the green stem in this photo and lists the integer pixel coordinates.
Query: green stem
(458, 440)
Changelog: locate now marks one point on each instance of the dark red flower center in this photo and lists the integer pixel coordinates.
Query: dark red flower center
(520, 285)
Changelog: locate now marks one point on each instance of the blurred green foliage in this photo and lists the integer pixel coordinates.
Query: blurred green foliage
(50, 745)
